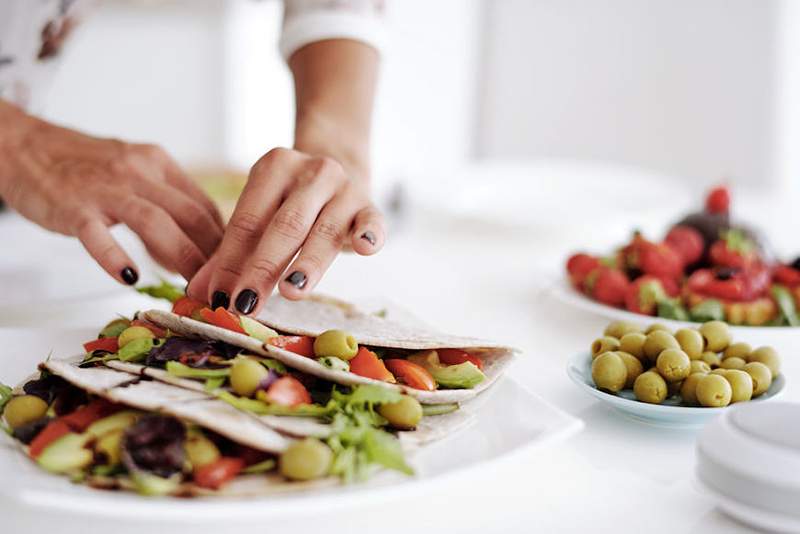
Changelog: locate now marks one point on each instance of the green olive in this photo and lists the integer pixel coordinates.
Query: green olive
(673, 364)
(741, 385)
(604, 344)
(246, 375)
(337, 343)
(691, 342)
(699, 366)
(717, 335)
(761, 375)
(655, 327)
(658, 341)
(110, 445)
(733, 362)
(714, 391)
(769, 357)
(689, 389)
(737, 350)
(618, 329)
(404, 414)
(650, 387)
(633, 366)
(23, 410)
(609, 372)
(711, 358)
(200, 450)
(633, 343)
(133, 332)
(306, 459)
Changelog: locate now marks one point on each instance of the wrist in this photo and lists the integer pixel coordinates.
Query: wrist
(325, 136)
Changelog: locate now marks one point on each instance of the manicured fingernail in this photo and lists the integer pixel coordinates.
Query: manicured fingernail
(369, 236)
(129, 275)
(297, 279)
(220, 299)
(246, 301)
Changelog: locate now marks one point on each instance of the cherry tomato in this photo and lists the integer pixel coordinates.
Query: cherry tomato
(366, 363)
(216, 474)
(411, 374)
(108, 344)
(288, 391)
(457, 356)
(787, 275)
(302, 345)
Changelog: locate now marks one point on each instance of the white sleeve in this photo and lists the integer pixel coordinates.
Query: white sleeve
(308, 21)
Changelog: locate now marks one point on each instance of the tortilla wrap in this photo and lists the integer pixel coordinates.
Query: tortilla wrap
(313, 317)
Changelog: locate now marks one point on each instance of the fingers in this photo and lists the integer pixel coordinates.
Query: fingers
(162, 235)
(369, 231)
(101, 245)
(194, 219)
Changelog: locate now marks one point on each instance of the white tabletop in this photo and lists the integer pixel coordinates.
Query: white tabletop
(476, 278)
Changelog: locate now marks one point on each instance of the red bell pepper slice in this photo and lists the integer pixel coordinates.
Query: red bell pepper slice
(411, 374)
(366, 363)
(54, 430)
(288, 391)
(457, 356)
(108, 344)
(216, 474)
(223, 319)
(187, 307)
(302, 345)
(80, 419)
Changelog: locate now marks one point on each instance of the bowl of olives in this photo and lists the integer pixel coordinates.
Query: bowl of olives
(678, 378)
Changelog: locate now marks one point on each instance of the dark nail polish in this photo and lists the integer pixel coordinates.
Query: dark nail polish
(129, 275)
(297, 279)
(220, 299)
(246, 301)
(369, 236)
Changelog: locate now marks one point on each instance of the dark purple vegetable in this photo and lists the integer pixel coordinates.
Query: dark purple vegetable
(191, 352)
(47, 387)
(266, 382)
(155, 444)
(27, 432)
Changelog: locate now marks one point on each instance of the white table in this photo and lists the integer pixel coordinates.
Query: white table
(617, 475)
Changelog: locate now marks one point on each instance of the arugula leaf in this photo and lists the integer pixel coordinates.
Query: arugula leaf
(184, 371)
(165, 291)
(785, 302)
(6, 393)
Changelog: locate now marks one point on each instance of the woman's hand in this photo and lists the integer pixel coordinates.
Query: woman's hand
(293, 204)
(79, 185)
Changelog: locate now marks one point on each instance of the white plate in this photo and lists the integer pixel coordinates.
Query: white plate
(670, 413)
(563, 291)
(511, 419)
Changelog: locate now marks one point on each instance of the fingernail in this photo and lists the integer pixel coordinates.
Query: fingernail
(129, 276)
(369, 236)
(297, 279)
(220, 299)
(246, 301)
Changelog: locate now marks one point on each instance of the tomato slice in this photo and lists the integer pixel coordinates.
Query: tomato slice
(216, 474)
(80, 419)
(457, 356)
(366, 363)
(411, 374)
(288, 391)
(156, 330)
(302, 345)
(223, 319)
(108, 344)
(54, 430)
(187, 307)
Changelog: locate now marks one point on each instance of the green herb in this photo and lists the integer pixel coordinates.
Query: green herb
(708, 310)
(275, 365)
(214, 383)
(165, 291)
(260, 467)
(429, 410)
(136, 350)
(672, 309)
(786, 305)
(184, 371)
(332, 362)
(737, 241)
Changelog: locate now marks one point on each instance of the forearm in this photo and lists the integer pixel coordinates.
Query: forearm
(334, 92)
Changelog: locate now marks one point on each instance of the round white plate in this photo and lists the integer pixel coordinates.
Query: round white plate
(563, 291)
(670, 413)
(509, 419)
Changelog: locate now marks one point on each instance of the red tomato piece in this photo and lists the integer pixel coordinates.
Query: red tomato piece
(366, 363)
(302, 345)
(216, 474)
(411, 374)
(54, 430)
(607, 285)
(579, 266)
(80, 419)
(187, 307)
(223, 319)
(786, 275)
(718, 200)
(108, 344)
(288, 391)
(457, 356)
(156, 330)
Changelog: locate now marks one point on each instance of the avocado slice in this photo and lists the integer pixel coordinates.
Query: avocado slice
(118, 421)
(256, 329)
(153, 486)
(67, 453)
(461, 376)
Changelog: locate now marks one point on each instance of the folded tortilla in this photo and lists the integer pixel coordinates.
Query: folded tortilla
(313, 316)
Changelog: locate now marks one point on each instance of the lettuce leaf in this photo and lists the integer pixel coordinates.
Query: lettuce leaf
(262, 408)
(5, 395)
(165, 291)
(786, 306)
(184, 371)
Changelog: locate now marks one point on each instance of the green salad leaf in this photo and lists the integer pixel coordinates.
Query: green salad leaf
(429, 410)
(708, 310)
(785, 301)
(165, 290)
(214, 383)
(259, 407)
(672, 309)
(275, 365)
(136, 350)
(184, 371)
(260, 467)
(6, 392)
(367, 395)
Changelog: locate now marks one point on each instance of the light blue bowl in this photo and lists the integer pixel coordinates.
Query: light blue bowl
(671, 413)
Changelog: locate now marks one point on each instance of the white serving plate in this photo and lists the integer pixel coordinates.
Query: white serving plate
(669, 414)
(511, 419)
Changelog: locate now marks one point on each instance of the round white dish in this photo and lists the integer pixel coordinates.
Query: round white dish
(670, 414)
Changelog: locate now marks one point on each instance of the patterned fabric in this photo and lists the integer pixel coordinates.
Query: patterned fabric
(32, 33)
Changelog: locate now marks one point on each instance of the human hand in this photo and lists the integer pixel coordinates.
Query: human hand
(79, 186)
(293, 204)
